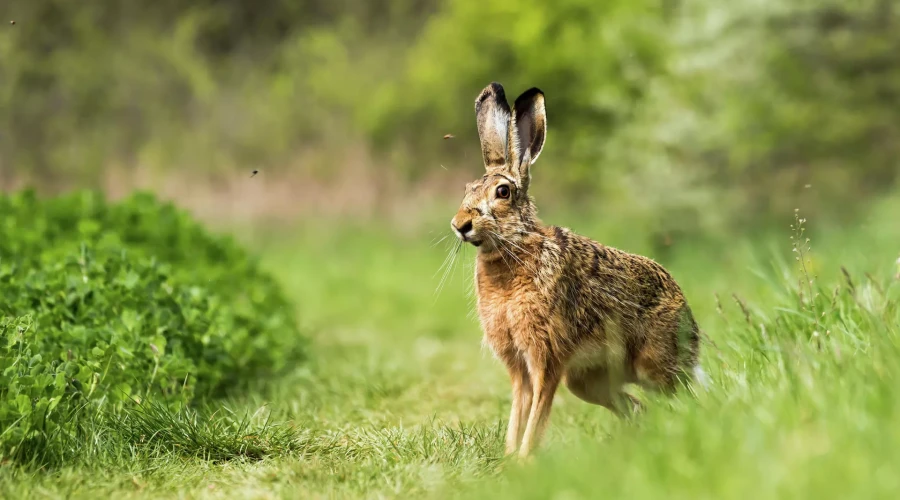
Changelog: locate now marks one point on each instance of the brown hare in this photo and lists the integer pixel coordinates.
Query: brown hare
(556, 306)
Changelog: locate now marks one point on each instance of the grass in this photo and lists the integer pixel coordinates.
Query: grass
(400, 400)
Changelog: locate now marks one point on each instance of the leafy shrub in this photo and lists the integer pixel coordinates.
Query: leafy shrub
(105, 303)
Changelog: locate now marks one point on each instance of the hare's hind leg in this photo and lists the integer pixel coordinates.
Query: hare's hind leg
(595, 386)
(671, 349)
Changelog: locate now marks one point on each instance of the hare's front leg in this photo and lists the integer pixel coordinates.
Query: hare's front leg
(545, 378)
(521, 404)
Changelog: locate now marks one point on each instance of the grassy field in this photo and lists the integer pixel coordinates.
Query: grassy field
(400, 399)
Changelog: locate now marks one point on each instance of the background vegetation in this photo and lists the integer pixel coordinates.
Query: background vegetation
(711, 114)
(144, 355)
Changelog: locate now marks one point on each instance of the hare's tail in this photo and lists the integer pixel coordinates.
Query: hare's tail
(689, 347)
(700, 376)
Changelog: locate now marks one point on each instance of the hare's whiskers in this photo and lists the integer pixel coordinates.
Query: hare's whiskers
(446, 261)
(438, 242)
(512, 254)
(526, 252)
(453, 254)
(500, 247)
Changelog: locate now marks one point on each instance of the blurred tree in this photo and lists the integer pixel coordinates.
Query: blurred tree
(768, 107)
(691, 114)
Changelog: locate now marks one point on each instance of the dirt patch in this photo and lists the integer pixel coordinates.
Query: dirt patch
(359, 190)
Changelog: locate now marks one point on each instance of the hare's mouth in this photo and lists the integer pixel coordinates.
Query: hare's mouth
(470, 239)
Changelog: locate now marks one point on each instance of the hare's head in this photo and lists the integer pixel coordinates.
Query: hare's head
(496, 207)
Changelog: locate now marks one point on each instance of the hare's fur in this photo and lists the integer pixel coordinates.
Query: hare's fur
(556, 306)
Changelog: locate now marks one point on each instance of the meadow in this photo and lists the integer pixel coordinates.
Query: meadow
(310, 331)
(398, 399)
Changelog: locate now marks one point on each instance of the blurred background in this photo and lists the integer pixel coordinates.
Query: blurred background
(690, 131)
(687, 117)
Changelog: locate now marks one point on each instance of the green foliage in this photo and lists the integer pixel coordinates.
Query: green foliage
(204, 83)
(766, 107)
(110, 303)
(400, 400)
(210, 435)
(593, 60)
(692, 115)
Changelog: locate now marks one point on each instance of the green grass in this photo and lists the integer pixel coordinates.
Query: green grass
(399, 398)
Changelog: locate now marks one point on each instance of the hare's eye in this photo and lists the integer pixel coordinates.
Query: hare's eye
(503, 191)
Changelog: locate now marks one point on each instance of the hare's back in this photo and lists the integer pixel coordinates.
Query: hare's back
(609, 296)
(606, 281)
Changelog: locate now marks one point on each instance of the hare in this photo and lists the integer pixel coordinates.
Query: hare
(556, 306)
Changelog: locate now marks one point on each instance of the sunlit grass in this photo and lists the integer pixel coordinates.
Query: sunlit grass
(400, 399)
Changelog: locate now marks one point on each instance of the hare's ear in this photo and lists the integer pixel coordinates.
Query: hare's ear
(492, 115)
(531, 130)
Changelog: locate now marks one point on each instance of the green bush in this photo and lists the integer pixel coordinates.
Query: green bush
(109, 303)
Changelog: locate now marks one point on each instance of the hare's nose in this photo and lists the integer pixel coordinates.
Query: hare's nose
(464, 228)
